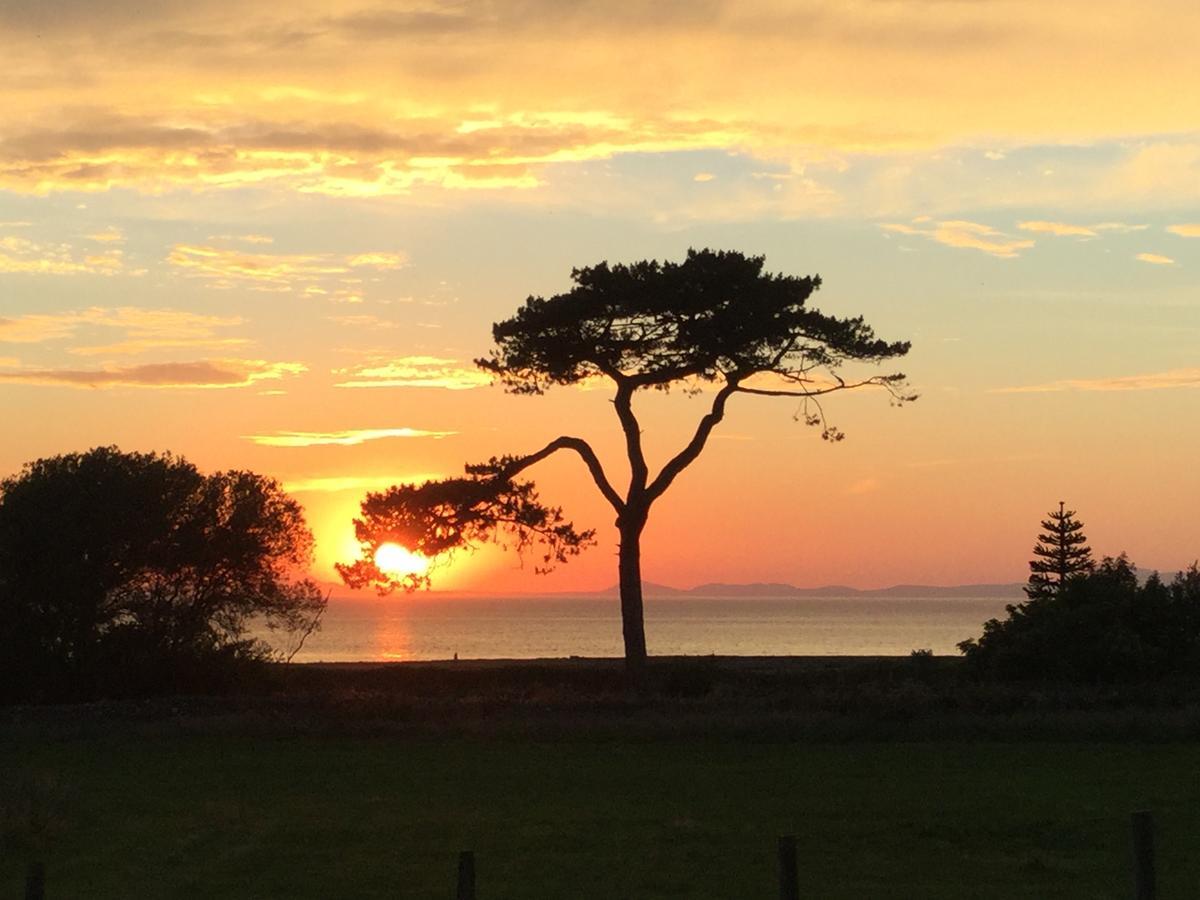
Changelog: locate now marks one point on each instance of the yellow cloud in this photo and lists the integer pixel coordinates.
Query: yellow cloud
(19, 255)
(1060, 229)
(1156, 259)
(975, 236)
(962, 234)
(274, 271)
(109, 235)
(1174, 378)
(143, 329)
(335, 483)
(349, 438)
(415, 371)
(377, 261)
(1186, 230)
(221, 373)
(361, 99)
(278, 269)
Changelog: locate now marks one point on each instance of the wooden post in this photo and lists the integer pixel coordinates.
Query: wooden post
(1143, 855)
(35, 882)
(789, 875)
(466, 876)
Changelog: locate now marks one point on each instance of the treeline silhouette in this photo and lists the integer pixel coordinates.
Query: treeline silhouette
(134, 573)
(1092, 622)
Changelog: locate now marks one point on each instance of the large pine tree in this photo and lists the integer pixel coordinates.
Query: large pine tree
(1062, 553)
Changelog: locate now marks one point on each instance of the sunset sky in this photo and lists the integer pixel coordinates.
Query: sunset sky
(273, 236)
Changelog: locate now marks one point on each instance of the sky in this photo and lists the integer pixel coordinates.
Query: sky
(274, 236)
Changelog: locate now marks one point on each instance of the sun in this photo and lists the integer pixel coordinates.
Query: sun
(395, 561)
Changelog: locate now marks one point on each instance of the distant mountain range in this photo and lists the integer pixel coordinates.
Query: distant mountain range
(749, 591)
(718, 589)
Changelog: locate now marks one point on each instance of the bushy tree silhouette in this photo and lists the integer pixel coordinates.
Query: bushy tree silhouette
(1098, 625)
(715, 322)
(134, 572)
(1062, 553)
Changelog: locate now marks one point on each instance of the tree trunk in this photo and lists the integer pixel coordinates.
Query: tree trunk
(632, 624)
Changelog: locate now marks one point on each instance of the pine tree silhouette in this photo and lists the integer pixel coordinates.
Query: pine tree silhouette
(1062, 554)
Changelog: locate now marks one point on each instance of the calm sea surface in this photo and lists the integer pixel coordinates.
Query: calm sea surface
(423, 628)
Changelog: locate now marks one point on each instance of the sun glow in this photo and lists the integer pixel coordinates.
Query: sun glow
(395, 561)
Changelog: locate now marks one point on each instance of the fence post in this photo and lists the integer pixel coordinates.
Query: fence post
(789, 876)
(35, 882)
(1143, 855)
(466, 876)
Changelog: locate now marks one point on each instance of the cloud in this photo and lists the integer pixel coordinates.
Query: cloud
(225, 373)
(365, 99)
(703, 176)
(1156, 259)
(243, 238)
(962, 234)
(334, 483)
(1174, 378)
(19, 255)
(1059, 229)
(362, 321)
(415, 371)
(274, 271)
(1185, 230)
(143, 329)
(109, 235)
(348, 438)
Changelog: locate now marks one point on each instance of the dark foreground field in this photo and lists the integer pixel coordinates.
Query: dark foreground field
(334, 788)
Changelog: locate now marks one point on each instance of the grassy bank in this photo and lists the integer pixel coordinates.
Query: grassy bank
(900, 778)
(298, 817)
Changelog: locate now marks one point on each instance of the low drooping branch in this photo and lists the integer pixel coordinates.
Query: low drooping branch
(438, 518)
(508, 467)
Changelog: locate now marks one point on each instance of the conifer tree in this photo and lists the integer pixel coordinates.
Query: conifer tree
(1062, 553)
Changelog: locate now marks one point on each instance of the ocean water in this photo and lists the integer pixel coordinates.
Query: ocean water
(438, 627)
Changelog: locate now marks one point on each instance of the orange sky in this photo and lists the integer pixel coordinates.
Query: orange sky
(275, 240)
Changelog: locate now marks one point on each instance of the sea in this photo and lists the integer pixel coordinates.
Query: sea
(438, 627)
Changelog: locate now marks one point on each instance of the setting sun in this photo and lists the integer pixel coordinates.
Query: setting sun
(394, 560)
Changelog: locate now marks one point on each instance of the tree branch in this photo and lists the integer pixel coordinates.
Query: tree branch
(639, 471)
(688, 454)
(586, 453)
(886, 381)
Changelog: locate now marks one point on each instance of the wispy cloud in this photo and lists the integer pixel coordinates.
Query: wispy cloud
(963, 234)
(224, 373)
(226, 266)
(109, 235)
(1059, 229)
(143, 329)
(1185, 230)
(329, 484)
(415, 371)
(348, 438)
(1156, 259)
(1173, 378)
(19, 255)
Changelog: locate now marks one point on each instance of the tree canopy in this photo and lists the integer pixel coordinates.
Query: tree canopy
(714, 324)
(714, 317)
(113, 562)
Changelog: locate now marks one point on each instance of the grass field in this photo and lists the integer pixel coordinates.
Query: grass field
(209, 816)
